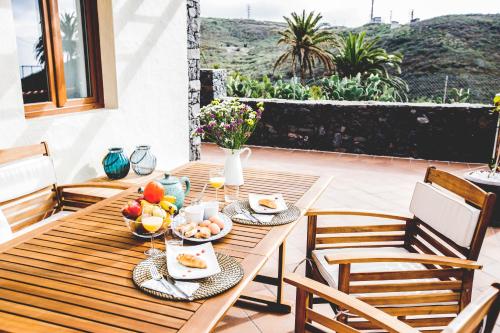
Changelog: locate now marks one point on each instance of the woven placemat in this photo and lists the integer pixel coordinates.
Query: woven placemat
(285, 217)
(231, 273)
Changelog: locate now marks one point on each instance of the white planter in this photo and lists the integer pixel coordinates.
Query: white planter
(233, 171)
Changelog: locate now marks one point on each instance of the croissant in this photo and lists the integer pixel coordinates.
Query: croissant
(190, 260)
(203, 232)
(268, 203)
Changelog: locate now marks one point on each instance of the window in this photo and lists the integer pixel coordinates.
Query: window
(58, 53)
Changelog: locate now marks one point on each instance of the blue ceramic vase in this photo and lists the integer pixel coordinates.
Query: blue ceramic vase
(143, 161)
(116, 164)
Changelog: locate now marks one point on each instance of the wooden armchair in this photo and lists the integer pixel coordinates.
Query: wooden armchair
(29, 194)
(365, 315)
(418, 268)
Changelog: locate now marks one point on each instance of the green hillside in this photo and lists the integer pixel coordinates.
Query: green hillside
(465, 48)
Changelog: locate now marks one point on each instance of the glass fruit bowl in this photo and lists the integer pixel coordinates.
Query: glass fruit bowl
(149, 228)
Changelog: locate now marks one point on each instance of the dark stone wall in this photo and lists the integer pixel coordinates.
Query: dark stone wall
(451, 132)
(213, 85)
(193, 42)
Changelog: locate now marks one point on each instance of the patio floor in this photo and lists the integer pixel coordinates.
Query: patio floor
(361, 182)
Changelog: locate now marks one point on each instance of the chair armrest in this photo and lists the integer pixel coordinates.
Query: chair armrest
(354, 305)
(81, 200)
(318, 212)
(110, 185)
(356, 258)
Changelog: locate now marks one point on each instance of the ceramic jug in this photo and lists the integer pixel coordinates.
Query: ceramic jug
(233, 171)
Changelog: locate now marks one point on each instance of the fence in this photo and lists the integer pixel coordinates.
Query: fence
(434, 87)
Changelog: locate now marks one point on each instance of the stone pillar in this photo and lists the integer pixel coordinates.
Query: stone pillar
(193, 36)
(213, 85)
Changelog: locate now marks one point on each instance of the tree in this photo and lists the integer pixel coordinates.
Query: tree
(355, 54)
(307, 40)
(69, 36)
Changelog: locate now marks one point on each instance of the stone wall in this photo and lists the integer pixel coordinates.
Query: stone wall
(213, 85)
(193, 43)
(451, 132)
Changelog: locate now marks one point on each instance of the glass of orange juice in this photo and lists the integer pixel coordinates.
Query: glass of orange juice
(216, 180)
(154, 226)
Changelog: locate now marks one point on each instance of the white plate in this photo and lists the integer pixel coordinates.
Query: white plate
(228, 225)
(181, 272)
(253, 200)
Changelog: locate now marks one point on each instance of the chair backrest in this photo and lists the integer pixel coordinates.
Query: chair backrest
(451, 216)
(27, 185)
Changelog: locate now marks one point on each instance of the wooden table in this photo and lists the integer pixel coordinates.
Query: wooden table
(75, 274)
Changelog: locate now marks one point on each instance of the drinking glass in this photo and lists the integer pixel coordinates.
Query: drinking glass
(216, 179)
(153, 227)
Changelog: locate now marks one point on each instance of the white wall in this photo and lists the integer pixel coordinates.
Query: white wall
(144, 54)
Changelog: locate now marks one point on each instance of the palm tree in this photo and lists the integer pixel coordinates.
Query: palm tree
(69, 36)
(307, 40)
(355, 54)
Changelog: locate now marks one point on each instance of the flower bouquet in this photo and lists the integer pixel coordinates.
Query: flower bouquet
(229, 124)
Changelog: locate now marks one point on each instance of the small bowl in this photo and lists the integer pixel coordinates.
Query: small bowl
(138, 230)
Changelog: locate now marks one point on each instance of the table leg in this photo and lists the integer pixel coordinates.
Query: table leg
(266, 304)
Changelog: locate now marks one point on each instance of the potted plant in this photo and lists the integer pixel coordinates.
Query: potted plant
(489, 180)
(229, 124)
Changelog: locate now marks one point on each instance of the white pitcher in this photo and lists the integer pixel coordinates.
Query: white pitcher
(233, 172)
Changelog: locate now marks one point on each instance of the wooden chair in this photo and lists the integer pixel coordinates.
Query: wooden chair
(29, 194)
(418, 268)
(307, 320)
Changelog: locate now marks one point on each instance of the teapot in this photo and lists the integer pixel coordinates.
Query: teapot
(173, 186)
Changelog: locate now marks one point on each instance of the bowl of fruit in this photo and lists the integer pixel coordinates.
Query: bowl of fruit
(151, 214)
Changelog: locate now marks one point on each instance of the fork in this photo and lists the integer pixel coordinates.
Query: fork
(158, 277)
(246, 213)
(169, 283)
(172, 282)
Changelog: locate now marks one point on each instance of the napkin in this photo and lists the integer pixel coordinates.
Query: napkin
(188, 287)
(263, 218)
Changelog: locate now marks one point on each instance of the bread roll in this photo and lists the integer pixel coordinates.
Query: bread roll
(268, 203)
(190, 260)
(203, 232)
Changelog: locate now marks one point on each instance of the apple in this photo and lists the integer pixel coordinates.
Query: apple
(154, 192)
(132, 210)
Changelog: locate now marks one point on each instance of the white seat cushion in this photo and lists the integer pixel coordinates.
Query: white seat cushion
(25, 176)
(448, 214)
(5, 231)
(37, 225)
(331, 272)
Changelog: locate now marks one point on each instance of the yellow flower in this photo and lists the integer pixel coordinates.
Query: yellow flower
(250, 122)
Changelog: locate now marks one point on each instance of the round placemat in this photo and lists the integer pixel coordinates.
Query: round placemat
(231, 273)
(285, 217)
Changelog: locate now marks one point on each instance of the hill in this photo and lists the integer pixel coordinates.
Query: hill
(462, 48)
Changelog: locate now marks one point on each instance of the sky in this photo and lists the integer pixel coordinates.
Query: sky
(350, 13)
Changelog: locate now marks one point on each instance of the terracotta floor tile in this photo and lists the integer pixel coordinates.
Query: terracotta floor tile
(361, 182)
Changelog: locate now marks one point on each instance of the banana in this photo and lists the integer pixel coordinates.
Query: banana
(169, 198)
(169, 207)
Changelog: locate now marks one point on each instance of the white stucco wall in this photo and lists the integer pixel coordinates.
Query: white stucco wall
(144, 56)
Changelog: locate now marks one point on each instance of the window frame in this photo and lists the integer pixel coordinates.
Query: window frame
(59, 103)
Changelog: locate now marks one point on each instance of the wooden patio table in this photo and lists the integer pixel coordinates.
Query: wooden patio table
(75, 273)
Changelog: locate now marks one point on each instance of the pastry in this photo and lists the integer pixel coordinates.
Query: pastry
(190, 233)
(205, 223)
(214, 228)
(218, 221)
(203, 232)
(268, 203)
(190, 260)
